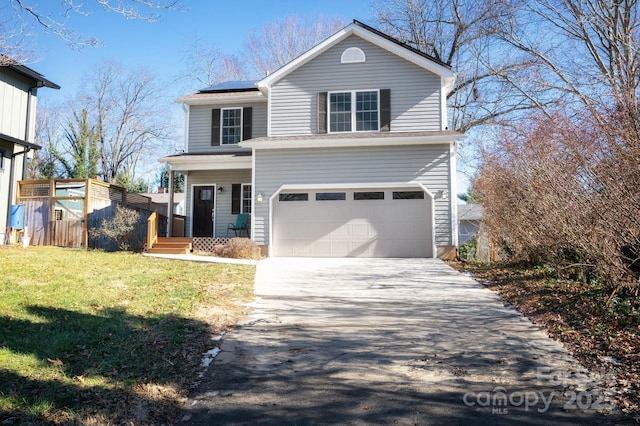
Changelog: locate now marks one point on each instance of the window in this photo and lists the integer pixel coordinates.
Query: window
(408, 195)
(330, 196)
(231, 126)
(246, 198)
(3, 154)
(299, 196)
(206, 195)
(377, 195)
(353, 110)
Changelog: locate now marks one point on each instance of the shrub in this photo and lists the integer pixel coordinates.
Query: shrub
(238, 248)
(122, 229)
(469, 250)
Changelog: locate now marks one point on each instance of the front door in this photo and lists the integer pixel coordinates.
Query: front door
(204, 210)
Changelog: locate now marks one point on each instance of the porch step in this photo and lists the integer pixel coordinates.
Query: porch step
(168, 250)
(177, 245)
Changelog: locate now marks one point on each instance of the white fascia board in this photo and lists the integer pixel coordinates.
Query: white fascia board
(448, 75)
(355, 142)
(216, 99)
(207, 162)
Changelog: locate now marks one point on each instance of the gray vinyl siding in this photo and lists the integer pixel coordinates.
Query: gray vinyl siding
(224, 178)
(200, 126)
(428, 165)
(13, 105)
(415, 92)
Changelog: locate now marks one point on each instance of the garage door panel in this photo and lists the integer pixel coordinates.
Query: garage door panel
(361, 228)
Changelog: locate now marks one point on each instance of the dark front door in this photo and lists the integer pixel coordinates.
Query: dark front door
(203, 210)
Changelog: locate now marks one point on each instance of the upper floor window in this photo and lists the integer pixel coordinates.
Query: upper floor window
(229, 126)
(349, 111)
(354, 111)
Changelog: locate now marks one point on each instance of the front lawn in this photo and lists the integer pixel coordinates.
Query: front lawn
(90, 337)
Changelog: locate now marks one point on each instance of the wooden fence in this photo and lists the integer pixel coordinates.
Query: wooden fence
(61, 212)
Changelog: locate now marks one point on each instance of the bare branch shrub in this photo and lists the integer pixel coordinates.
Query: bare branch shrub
(238, 248)
(566, 194)
(122, 228)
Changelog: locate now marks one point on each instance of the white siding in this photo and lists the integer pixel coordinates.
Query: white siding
(200, 126)
(428, 165)
(224, 178)
(415, 92)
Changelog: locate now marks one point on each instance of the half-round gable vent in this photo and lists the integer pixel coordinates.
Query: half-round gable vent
(352, 55)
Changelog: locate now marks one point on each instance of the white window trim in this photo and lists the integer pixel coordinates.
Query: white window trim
(243, 199)
(222, 110)
(353, 109)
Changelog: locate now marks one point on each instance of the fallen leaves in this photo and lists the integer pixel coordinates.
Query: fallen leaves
(576, 314)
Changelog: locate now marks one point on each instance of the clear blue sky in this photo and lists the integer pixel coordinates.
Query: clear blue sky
(160, 46)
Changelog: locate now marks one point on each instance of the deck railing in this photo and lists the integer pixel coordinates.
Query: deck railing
(152, 230)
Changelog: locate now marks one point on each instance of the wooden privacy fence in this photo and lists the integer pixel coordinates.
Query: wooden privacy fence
(60, 212)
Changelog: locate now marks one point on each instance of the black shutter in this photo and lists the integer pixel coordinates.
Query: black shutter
(322, 112)
(215, 127)
(247, 115)
(385, 110)
(236, 196)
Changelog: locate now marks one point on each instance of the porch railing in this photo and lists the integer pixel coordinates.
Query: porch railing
(152, 230)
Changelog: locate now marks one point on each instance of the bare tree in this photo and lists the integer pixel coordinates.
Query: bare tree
(130, 122)
(206, 65)
(465, 35)
(264, 51)
(587, 50)
(564, 188)
(19, 17)
(277, 44)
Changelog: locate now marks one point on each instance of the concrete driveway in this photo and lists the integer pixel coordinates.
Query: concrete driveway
(387, 341)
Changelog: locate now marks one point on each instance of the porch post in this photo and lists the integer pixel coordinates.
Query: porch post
(170, 206)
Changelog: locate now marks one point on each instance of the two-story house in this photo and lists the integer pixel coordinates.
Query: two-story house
(18, 93)
(342, 152)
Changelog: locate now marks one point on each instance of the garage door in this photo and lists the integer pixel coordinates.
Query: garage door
(352, 223)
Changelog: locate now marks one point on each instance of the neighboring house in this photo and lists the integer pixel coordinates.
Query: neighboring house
(344, 151)
(18, 92)
(469, 220)
(161, 201)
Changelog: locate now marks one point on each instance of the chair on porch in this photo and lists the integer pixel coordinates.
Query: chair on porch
(242, 224)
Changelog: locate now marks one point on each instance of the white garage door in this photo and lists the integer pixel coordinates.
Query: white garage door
(353, 223)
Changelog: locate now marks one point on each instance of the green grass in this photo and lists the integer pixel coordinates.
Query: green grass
(90, 337)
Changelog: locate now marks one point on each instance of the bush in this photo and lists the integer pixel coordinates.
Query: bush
(238, 248)
(122, 229)
(469, 250)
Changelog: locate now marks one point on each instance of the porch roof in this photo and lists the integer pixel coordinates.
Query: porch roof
(355, 139)
(227, 160)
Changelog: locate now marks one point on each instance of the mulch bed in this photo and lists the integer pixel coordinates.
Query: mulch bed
(603, 337)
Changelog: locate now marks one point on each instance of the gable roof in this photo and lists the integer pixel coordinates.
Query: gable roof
(374, 36)
(27, 72)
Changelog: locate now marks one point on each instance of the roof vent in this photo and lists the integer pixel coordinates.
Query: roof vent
(352, 55)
